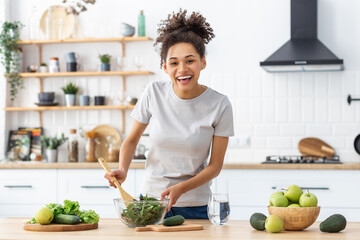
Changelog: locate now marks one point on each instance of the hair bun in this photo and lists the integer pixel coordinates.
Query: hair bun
(178, 22)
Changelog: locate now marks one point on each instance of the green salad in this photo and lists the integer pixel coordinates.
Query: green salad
(72, 208)
(145, 211)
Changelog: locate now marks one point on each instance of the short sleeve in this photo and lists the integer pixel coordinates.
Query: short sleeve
(141, 112)
(224, 126)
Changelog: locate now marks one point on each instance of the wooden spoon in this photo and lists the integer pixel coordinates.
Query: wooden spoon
(124, 195)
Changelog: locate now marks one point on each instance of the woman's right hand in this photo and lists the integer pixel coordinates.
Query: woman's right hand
(120, 175)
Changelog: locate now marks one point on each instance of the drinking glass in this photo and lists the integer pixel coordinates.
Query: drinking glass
(139, 62)
(218, 209)
(120, 61)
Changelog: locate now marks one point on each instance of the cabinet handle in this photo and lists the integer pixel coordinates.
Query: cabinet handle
(18, 186)
(95, 187)
(310, 188)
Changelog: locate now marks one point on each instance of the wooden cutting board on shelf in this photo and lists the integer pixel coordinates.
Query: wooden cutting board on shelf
(315, 147)
(162, 228)
(59, 227)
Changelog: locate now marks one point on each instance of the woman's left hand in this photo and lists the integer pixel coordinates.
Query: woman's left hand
(173, 193)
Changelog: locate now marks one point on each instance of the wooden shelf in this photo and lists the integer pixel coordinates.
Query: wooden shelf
(86, 40)
(80, 74)
(64, 108)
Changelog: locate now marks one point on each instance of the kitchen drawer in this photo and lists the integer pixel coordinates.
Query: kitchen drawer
(333, 188)
(19, 186)
(104, 211)
(19, 210)
(90, 187)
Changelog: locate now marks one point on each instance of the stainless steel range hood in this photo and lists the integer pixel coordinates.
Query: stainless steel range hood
(303, 52)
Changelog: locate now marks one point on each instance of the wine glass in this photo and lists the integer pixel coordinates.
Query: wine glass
(120, 61)
(139, 62)
(122, 97)
(218, 209)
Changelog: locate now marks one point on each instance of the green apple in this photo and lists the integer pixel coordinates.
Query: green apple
(308, 200)
(293, 193)
(275, 194)
(294, 205)
(279, 201)
(274, 224)
(44, 216)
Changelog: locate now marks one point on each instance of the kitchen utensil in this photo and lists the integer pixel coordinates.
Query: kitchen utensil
(162, 228)
(46, 96)
(124, 195)
(357, 144)
(296, 218)
(140, 213)
(63, 24)
(44, 104)
(315, 147)
(102, 132)
(59, 227)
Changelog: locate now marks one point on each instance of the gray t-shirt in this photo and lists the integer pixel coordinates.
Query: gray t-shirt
(181, 133)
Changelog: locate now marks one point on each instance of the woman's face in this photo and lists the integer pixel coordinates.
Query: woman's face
(183, 65)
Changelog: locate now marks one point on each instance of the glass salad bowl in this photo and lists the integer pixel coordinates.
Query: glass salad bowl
(141, 212)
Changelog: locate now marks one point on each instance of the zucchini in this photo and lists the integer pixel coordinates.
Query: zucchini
(174, 221)
(66, 219)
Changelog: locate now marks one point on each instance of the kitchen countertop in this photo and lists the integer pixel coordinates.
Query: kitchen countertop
(141, 165)
(11, 228)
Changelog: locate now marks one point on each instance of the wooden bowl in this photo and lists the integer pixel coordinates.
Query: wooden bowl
(296, 218)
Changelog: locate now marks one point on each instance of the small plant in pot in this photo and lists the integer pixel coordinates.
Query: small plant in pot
(70, 91)
(105, 62)
(51, 144)
(43, 68)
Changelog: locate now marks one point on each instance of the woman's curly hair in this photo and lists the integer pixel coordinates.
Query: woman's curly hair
(178, 28)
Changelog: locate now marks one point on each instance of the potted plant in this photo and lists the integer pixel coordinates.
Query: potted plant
(70, 91)
(51, 144)
(10, 52)
(105, 62)
(43, 68)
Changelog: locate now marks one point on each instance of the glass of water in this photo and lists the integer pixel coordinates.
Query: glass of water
(218, 209)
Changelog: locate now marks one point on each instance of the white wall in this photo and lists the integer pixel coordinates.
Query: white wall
(275, 110)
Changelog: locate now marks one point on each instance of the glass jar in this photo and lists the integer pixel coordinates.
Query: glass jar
(91, 141)
(73, 146)
(113, 149)
(54, 65)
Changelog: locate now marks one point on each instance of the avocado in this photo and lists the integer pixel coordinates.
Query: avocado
(174, 221)
(334, 223)
(257, 221)
(66, 219)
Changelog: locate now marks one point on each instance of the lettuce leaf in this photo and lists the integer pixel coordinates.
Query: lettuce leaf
(89, 216)
(55, 208)
(71, 207)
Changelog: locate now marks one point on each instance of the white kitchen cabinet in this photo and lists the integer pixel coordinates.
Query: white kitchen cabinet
(249, 190)
(23, 191)
(91, 189)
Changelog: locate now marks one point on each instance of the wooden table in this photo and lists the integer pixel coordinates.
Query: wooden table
(11, 228)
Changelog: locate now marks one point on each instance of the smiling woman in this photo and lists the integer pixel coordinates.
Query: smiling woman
(189, 122)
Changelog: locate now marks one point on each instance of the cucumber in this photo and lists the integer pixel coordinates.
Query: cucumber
(66, 219)
(174, 221)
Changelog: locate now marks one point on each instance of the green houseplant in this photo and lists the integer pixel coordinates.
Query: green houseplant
(51, 144)
(10, 52)
(43, 68)
(70, 91)
(105, 62)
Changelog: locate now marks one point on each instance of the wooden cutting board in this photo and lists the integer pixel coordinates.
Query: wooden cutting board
(59, 227)
(315, 147)
(162, 228)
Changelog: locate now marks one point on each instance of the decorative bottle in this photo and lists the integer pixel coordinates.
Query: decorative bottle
(141, 24)
(73, 147)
